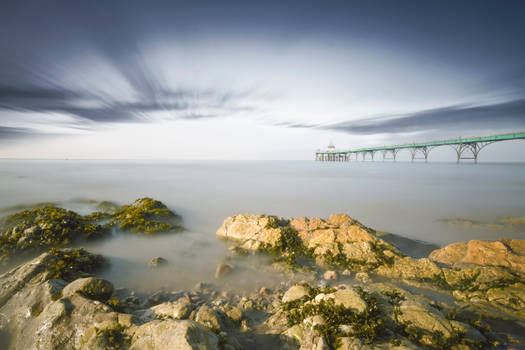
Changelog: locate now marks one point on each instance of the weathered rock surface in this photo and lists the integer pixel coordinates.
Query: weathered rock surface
(173, 335)
(252, 231)
(90, 287)
(507, 253)
(40, 311)
(334, 242)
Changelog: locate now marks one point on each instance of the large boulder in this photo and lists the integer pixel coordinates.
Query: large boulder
(339, 241)
(507, 253)
(251, 231)
(32, 302)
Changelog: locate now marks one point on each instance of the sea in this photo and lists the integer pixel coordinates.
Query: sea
(429, 204)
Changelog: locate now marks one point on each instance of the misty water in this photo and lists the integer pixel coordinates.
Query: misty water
(406, 199)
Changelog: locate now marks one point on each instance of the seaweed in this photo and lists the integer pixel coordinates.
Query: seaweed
(114, 337)
(366, 325)
(146, 215)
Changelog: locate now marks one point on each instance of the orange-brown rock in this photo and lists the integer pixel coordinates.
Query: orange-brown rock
(506, 253)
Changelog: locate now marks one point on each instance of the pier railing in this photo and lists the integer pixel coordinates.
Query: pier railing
(466, 148)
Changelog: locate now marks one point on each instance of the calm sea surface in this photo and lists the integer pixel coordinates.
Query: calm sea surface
(401, 198)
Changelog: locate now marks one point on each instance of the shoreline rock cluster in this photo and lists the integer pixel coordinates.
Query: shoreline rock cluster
(33, 231)
(361, 292)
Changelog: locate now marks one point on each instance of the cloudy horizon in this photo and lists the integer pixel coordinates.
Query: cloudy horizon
(254, 80)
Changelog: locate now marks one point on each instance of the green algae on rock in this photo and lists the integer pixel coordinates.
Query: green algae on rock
(146, 215)
(31, 231)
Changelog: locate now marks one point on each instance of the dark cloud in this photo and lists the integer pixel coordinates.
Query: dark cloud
(56, 100)
(7, 133)
(504, 115)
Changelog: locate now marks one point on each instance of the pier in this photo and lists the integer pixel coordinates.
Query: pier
(466, 148)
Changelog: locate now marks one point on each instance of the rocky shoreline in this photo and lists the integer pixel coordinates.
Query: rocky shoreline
(343, 287)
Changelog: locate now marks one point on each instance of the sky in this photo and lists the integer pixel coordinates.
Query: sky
(256, 79)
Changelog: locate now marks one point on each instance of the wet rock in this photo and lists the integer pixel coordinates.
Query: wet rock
(157, 262)
(91, 287)
(331, 275)
(223, 270)
(175, 310)
(294, 293)
(173, 334)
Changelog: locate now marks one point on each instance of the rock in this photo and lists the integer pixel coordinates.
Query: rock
(322, 345)
(312, 321)
(363, 277)
(507, 253)
(175, 310)
(331, 275)
(209, 318)
(340, 219)
(409, 268)
(223, 270)
(252, 231)
(349, 298)
(332, 240)
(157, 262)
(294, 293)
(423, 316)
(147, 216)
(235, 314)
(36, 230)
(91, 287)
(293, 337)
(173, 335)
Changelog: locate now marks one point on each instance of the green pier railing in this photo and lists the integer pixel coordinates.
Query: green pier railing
(471, 145)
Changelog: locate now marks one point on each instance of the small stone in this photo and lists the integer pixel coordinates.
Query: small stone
(223, 270)
(157, 262)
(331, 275)
(346, 273)
(176, 310)
(294, 293)
(363, 277)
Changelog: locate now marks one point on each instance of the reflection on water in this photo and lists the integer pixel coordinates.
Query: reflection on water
(402, 198)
